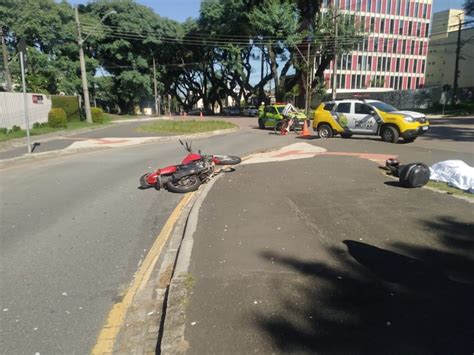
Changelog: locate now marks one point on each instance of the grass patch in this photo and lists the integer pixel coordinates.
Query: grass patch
(442, 186)
(71, 126)
(184, 127)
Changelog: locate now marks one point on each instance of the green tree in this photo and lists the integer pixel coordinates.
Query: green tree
(469, 7)
(48, 29)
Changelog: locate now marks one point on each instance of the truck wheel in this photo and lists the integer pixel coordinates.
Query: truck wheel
(389, 134)
(325, 131)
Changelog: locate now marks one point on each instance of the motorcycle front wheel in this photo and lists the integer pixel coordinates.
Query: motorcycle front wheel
(185, 184)
(228, 160)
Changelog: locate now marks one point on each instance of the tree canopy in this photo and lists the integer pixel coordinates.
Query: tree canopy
(219, 54)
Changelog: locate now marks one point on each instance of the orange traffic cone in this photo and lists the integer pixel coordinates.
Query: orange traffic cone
(305, 131)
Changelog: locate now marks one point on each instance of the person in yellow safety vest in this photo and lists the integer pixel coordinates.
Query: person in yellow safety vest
(261, 109)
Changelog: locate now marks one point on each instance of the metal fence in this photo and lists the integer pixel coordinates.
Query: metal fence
(12, 111)
(408, 99)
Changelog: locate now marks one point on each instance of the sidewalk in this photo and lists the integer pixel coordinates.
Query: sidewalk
(322, 255)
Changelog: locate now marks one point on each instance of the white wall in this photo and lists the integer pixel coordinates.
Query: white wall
(12, 112)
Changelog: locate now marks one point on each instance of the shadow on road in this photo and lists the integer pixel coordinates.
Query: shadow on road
(418, 300)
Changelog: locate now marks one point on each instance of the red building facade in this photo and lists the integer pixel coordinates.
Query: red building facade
(394, 48)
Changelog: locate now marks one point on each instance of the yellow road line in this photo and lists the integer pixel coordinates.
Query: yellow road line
(108, 334)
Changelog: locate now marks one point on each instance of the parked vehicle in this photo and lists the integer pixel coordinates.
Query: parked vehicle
(272, 116)
(231, 111)
(194, 170)
(372, 117)
(250, 111)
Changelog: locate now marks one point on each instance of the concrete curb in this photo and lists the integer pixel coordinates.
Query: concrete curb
(66, 152)
(144, 320)
(172, 340)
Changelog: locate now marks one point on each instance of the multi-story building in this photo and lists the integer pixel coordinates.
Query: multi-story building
(441, 61)
(392, 55)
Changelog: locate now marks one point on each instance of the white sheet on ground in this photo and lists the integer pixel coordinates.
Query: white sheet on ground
(454, 172)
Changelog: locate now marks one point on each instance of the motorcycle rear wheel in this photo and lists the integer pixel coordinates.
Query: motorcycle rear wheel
(185, 184)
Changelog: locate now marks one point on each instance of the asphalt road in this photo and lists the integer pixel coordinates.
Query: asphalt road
(74, 229)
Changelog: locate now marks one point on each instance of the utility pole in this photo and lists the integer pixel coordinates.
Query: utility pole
(5, 60)
(262, 89)
(85, 87)
(25, 96)
(155, 88)
(308, 81)
(456, 66)
(334, 67)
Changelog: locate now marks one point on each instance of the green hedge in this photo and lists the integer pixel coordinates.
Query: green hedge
(70, 105)
(97, 115)
(57, 118)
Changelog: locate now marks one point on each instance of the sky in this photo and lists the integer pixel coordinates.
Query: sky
(180, 10)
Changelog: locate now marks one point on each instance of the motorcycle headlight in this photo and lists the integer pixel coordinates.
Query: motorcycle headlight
(408, 119)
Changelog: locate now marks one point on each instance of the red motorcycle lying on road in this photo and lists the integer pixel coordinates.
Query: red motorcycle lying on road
(194, 170)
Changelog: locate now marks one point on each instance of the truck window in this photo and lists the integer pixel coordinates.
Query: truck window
(344, 107)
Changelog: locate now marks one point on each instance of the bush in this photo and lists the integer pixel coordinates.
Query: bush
(3, 130)
(97, 115)
(16, 129)
(69, 104)
(57, 118)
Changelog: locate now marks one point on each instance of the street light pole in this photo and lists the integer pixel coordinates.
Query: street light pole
(85, 86)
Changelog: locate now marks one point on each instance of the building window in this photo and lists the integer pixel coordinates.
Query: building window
(409, 83)
(427, 29)
(407, 8)
(353, 81)
(389, 64)
(418, 29)
(379, 6)
(422, 66)
(382, 25)
(358, 5)
(400, 29)
(389, 6)
(412, 47)
(424, 10)
(369, 63)
(348, 4)
(392, 26)
(349, 61)
(379, 63)
(376, 44)
(398, 65)
(399, 7)
(395, 44)
(416, 10)
(359, 62)
(342, 81)
(407, 61)
(385, 45)
(404, 46)
(369, 5)
(372, 24)
(415, 63)
(410, 28)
